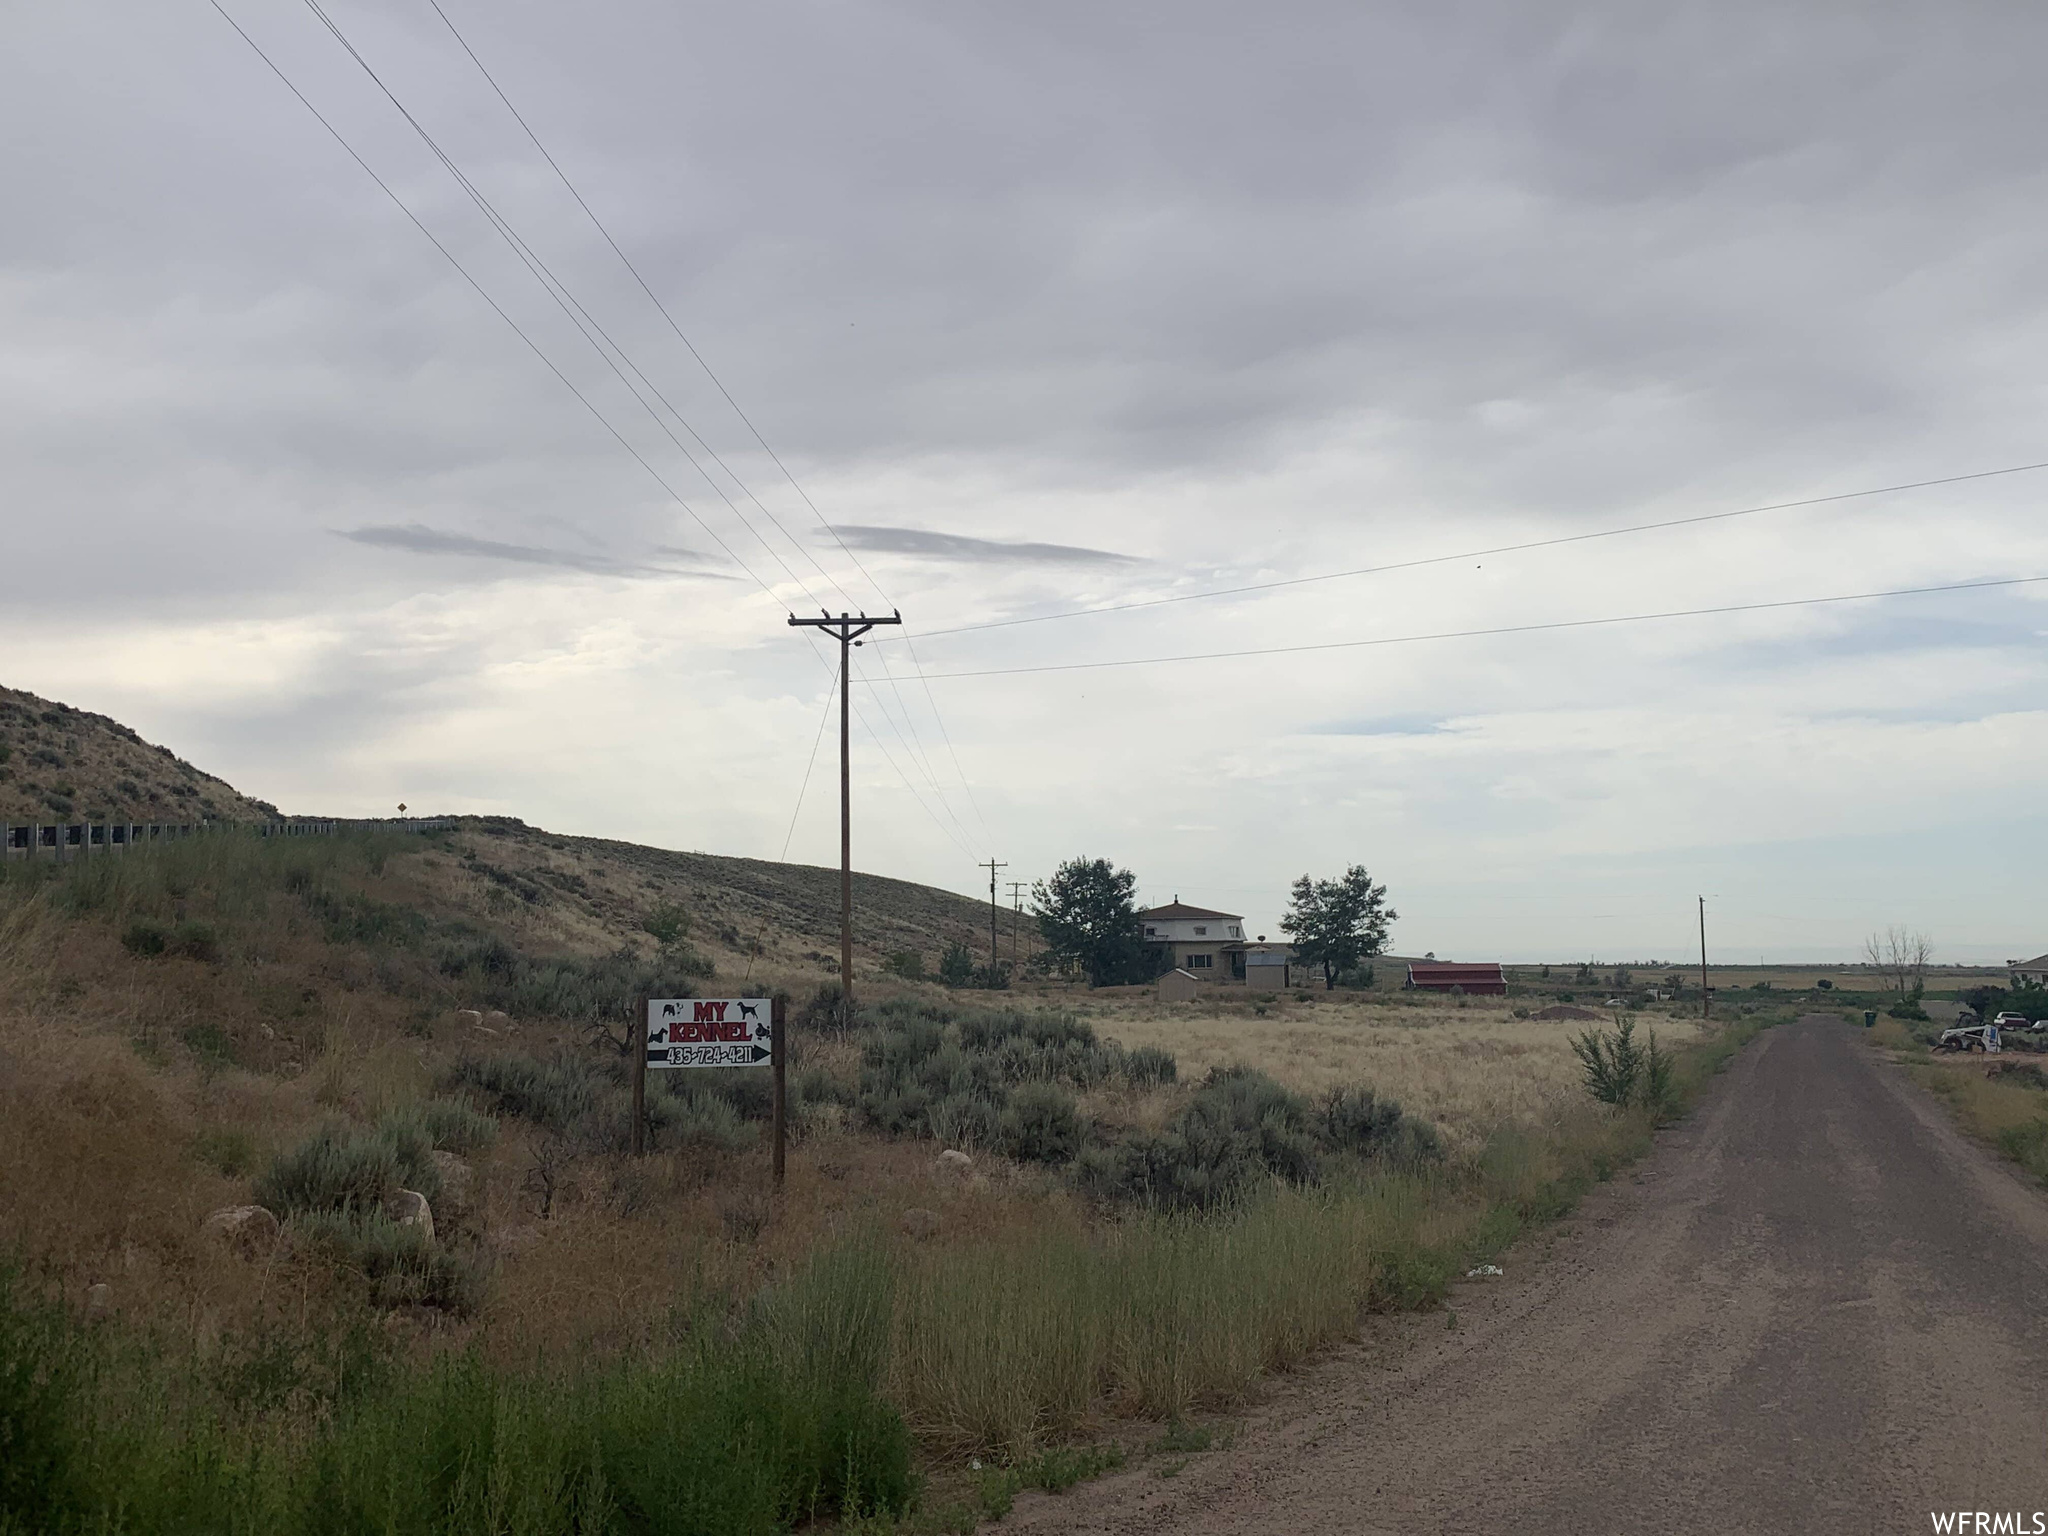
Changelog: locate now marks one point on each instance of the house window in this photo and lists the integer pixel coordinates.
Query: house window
(1201, 962)
(1151, 933)
(1236, 932)
(1201, 932)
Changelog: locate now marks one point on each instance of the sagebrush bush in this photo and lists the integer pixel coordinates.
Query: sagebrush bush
(1355, 1120)
(336, 1168)
(1040, 1124)
(401, 1266)
(452, 1126)
(1151, 1066)
(1239, 1127)
(604, 990)
(555, 1092)
(695, 1116)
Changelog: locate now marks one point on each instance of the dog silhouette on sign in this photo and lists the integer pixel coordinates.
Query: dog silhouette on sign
(669, 1010)
(749, 1011)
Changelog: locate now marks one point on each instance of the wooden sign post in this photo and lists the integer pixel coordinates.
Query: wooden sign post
(780, 1014)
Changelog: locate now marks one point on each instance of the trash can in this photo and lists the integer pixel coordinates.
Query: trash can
(1870, 1018)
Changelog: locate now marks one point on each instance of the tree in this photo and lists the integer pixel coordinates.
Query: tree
(1088, 916)
(1900, 956)
(956, 965)
(1337, 923)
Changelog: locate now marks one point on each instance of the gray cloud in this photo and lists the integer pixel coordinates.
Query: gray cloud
(422, 540)
(959, 546)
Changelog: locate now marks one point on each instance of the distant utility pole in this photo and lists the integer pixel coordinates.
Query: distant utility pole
(993, 866)
(847, 630)
(1016, 914)
(1706, 992)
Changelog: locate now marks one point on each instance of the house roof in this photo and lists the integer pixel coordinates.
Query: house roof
(1177, 909)
(1454, 970)
(2038, 963)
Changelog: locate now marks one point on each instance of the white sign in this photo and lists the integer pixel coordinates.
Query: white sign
(710, 1032)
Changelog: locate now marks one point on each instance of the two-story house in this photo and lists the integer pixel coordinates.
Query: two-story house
(1194, 939)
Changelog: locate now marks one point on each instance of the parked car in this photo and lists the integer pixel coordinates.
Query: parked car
(2011, 1020)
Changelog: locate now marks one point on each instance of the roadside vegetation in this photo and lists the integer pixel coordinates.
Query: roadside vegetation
(2001, 1100)
(1137, 1222)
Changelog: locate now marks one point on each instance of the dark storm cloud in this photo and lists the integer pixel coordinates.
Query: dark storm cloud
(958, 546)
(421, 540)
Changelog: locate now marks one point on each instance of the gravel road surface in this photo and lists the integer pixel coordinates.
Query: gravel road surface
(1814, 1308)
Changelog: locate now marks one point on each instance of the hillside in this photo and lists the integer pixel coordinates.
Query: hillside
(63, 764)
(557, 894)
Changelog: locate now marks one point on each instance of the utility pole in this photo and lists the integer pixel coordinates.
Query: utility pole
(993, 866)
(1706, 992)
(1016, 914)
(847, 630)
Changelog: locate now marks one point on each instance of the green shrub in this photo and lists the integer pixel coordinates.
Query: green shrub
(1613, 1063)
(1620, 1072)
(956, 965)
(667, 922)
(1150, 1066)
(906, 963)
(452, 1126)
(1040, 1125)
(195, 941)
(145, 938)
(963, 1120)
(820, 1085)
(555, 1093)
(1239, 1127)
(401, 1266)
(228, 1150)
(1355, 1120)
(695, 1116)
(350, 1168)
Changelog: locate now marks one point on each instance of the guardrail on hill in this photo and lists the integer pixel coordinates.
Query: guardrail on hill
(81, 839)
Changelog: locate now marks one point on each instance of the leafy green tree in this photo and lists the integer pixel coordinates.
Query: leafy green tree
(1337, 923)
(1088, 915)
(956, 965)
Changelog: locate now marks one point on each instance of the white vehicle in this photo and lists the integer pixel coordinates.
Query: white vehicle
(2011, 1020)
(1970, 1037)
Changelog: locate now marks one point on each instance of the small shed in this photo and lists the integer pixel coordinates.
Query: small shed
(1487, 980)
(1178, 986)
(1266, 967)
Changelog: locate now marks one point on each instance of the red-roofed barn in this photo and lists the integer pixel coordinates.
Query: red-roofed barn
(1487, 980)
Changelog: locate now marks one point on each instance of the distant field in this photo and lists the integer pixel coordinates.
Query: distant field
(1468, 1068)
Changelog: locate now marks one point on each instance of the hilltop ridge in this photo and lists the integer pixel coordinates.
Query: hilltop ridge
(60, 763)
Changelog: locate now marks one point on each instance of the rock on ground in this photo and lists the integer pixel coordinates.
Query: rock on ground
(458, 1186)
(920, 1223)
(409, 1208)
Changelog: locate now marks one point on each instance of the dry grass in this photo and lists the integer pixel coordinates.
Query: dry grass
(1470, 1068)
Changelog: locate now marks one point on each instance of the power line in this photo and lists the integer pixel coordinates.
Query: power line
(578, 315)
(547, 361)
(1474, 554)
(647, 288)
(496, 308)
(1506, 629)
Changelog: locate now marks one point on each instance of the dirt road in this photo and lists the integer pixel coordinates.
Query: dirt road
(1814, 1308)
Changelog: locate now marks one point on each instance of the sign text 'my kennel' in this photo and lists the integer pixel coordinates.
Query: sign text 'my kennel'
(710, 1032)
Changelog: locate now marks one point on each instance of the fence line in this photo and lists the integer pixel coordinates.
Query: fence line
(81, 839)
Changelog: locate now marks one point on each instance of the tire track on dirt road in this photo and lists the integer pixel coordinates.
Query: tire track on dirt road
(1814, 1307)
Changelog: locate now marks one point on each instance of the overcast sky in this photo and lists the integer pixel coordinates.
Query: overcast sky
(1055, 307)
